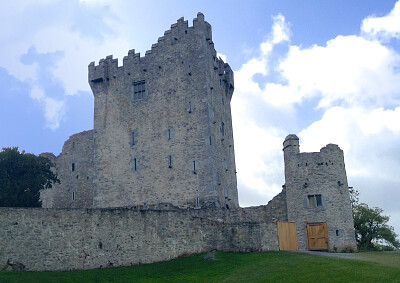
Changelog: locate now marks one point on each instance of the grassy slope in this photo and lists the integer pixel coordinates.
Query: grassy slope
(231, 267)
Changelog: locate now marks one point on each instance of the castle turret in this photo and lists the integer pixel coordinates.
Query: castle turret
(317, 197)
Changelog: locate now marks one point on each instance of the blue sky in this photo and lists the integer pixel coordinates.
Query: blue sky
(328, 71)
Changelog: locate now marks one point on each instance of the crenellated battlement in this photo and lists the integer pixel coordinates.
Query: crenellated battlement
(178, 33)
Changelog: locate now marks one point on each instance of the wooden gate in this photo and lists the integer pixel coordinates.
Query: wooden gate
(317, 236)
(287, 236)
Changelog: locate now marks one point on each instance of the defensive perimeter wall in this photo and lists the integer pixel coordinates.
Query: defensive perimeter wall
(65, 239)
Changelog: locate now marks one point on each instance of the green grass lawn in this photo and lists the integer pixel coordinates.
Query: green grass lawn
(235, 267)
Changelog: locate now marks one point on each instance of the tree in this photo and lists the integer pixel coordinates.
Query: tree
(370, 225)
(22, 176)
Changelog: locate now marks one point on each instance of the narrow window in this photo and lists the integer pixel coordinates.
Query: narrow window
(73, 195)
(223, 101)
(222, 131)
(73, 144)
(197, 202)
(133, 138)
(73, 167)
(190, 107)
(220, 82)
(169, 134)
(311, 201)
(134, 164)
(337, 233)
(210, 141)
(194, 166)
(218, 179)
(318, 199)
(170, 161)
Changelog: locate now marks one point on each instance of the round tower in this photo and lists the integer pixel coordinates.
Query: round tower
(291, 145)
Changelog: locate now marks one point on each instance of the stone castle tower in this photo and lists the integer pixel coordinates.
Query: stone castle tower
(317, 193)
(162, 129)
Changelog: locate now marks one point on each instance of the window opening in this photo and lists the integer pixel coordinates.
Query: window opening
(134, 164)
(133, 138)
(170, 161)
(194, 166)
(139, 90)
(314, 200)
(169, 134)
(190, 107)
(210, 140)
(73, 167)
(73, 195)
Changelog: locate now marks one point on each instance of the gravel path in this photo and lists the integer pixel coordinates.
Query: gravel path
(339, 255)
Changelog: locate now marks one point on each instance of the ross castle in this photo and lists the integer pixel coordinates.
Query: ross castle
(156, 178)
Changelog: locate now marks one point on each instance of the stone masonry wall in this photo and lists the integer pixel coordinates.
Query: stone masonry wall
(64, 239)
(74, 168)
(321, 173)
(176, 143)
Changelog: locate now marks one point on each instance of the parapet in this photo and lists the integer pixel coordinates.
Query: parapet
(108, 67)
(291, 144)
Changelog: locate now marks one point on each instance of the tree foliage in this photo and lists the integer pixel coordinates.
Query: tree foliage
(22, 176)
(371, 225)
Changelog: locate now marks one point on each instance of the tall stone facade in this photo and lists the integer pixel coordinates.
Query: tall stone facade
(162, 129)
(317, 192)
(162, 151)
(74, 168)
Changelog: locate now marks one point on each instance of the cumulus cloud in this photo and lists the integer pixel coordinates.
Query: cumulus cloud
(258, 148)
(385, 27)
(349, 70)
(350, 87)
(53, 46)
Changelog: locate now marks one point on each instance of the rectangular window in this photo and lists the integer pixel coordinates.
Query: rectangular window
(318, 200)
(169, 134)
(133, 138)
(73, 167)
(134, 165)
(194, 166)
(73, 195)
(170, 161)
(314, 201)
(139, 90)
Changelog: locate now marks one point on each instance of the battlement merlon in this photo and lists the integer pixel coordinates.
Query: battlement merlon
(108, 67)
(228, 79)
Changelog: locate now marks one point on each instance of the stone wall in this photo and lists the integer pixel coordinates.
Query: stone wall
(64, 239)
(318, 173)
(174, 143)
(74, 168)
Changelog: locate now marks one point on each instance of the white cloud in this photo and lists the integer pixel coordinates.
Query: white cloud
(349, 70)
(54, 110)
(280, 30)
(383, 27)
(355, 82)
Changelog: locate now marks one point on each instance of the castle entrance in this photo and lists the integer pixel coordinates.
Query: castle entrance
(317, 236)
(287, 236)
